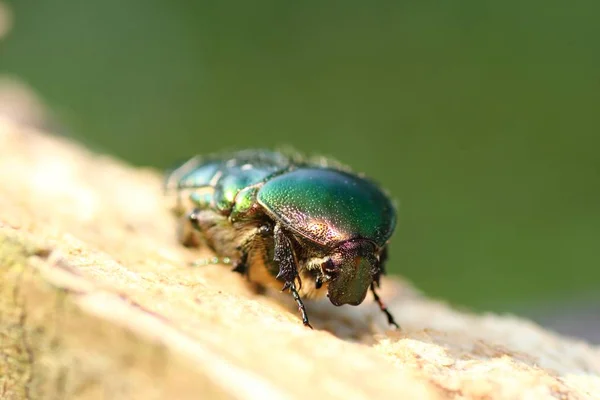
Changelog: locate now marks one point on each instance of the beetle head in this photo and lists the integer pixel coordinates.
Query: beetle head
(352, 268)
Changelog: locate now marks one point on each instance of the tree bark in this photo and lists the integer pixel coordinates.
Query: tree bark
(98, 301)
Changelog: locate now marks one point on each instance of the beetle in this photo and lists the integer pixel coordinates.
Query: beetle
(279, 218)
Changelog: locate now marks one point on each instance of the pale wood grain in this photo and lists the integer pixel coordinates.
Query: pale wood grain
(97, 301)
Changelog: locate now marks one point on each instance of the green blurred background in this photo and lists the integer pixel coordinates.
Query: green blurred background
(481, 117)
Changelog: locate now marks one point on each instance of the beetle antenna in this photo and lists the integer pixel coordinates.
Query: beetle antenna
(384, 308)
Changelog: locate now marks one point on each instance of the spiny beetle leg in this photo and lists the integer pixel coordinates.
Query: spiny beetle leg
(384, 308)
(301, 308)
(284, 256)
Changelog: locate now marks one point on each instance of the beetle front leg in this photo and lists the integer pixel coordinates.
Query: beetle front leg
(288, 272)
(383, 307)
(284, 256)
(301, 308)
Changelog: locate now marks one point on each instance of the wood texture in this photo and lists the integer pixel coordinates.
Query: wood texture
(97, 301)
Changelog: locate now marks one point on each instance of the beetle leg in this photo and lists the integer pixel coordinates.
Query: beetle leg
(383, 307)
(242, 265)
(300, 305)
(381, 266)
(284, 255)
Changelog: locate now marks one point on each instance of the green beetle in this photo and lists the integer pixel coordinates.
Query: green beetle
(310, 225)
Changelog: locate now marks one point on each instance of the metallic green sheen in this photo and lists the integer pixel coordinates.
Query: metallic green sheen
(236, 179)
(200, 176)
(352, 284)
(227, 177)
(202, 199)
(329, 206)
(244, 203)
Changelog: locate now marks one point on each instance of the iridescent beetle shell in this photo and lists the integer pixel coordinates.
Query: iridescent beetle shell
(329, 206)
(310, 225)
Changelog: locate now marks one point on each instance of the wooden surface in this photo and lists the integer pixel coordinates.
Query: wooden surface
(97, 301)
